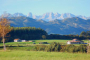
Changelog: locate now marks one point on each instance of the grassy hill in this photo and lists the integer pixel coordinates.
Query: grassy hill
(37, 42)
(37, 55)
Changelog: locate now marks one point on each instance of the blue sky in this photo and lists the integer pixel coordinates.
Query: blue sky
(39, 7)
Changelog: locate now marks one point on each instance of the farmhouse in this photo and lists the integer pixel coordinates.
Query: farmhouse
(75, 41)
(17, 40)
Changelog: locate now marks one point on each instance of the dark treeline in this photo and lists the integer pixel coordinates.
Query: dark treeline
(57, 36)
(26, 33)
(82, 36)
(85, 34)
(32, 33)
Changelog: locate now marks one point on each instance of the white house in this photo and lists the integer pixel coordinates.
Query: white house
(17, 40)
(23, 40)
(75, 41)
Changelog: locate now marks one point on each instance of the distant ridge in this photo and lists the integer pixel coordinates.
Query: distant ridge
(73, 25)
(46, 17)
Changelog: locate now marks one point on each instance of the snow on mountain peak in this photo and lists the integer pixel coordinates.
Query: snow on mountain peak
(47, 16)
(18, 14)
(29, 15)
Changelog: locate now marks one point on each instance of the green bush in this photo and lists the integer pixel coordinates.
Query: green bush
(74, 49)
(82, 48)
(40, 47)
(53, 47)
(63, 48)
(70, 48)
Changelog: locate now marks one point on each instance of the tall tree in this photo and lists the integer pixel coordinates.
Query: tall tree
(4, 29)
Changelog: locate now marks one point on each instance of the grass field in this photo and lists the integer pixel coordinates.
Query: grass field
(37, 55)
(24, 53)
(37, 42)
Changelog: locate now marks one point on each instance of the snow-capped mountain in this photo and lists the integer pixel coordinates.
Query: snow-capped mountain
(46, 17)
(83, 17)
(6, 15)
(29, 15)
(66, 15)
(52, 16)
(18, 14)
(73, 25)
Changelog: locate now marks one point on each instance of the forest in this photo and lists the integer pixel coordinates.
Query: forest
(32, 33)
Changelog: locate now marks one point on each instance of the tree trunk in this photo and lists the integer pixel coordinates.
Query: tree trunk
(3, 40)
(4, 44)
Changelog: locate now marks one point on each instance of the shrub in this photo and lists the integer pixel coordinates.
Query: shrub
(82, 48)
(40, 47)
(70, 48)
(63, 48)
(53, 47)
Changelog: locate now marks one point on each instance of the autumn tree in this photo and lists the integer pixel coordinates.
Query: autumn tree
(43, 36)
(4, 29)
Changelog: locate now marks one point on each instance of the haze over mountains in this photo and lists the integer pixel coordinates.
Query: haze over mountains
(73, 25)
(53, 23)
(46, 17)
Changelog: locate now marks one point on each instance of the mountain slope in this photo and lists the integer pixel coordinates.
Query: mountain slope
(73, 25)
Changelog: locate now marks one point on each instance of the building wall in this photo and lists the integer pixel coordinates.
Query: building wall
(68, 42)
(15, 40)
(23, 40)
(73, 42)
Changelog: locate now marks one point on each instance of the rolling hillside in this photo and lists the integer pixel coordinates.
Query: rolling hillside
(73, 25)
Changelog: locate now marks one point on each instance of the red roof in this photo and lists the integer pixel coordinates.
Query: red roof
(16, 39)
(75, 40)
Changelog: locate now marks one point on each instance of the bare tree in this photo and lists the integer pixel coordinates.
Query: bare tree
(4, 29)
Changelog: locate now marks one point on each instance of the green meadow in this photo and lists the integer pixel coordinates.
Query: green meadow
(26, 52)
(64, 42)
(28, 45)
(39, 55)
(36, 41)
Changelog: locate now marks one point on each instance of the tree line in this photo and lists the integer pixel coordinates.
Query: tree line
(82, 36)
(26, 33)
(32, 33)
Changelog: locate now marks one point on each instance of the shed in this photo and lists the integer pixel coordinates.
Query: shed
(75, 41)
(23, 40)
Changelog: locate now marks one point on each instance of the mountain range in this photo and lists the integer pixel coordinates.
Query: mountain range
(46, 17)
(53, 23)
(74, 25)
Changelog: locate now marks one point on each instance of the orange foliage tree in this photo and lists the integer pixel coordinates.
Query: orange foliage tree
(4, 29)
